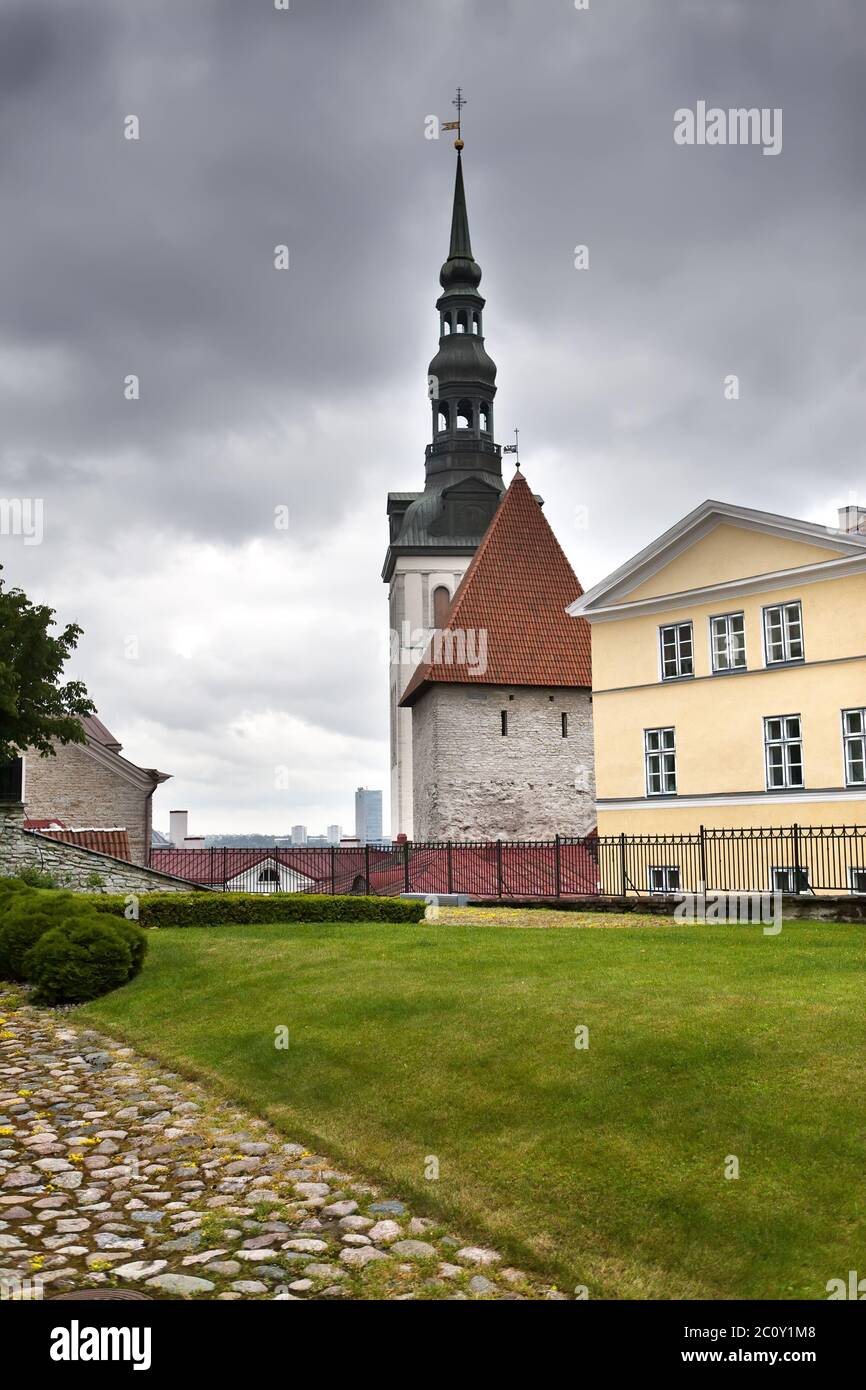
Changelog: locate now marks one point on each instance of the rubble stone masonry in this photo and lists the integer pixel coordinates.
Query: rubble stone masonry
(81, 870)
(474, 783)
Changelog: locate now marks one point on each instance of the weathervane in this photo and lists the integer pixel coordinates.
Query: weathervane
(514, 448)
(459, 101)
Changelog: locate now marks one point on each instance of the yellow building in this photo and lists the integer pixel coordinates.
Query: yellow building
(729, 678)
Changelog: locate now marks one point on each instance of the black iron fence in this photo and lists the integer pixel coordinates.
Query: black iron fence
(790, 859)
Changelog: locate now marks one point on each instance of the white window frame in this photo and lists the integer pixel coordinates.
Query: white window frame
(786, 742)
(786, 659)
(666, 870)
(852, 875)
(664, 750)
(789, 871)
(849, 740)
(727, 619)
(677, 630)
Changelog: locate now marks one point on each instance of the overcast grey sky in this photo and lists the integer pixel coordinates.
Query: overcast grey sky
(261, 649)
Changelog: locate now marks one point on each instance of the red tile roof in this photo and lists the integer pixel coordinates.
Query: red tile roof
(515, 591)
(527, 870)
(114, 842)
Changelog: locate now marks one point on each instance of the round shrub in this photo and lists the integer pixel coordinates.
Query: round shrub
(135, 938)
(78, 961)
(25, 917)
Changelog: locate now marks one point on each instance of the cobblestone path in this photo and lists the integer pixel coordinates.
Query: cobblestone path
(115, 1172)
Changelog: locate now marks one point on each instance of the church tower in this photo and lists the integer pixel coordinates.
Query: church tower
(435, 533)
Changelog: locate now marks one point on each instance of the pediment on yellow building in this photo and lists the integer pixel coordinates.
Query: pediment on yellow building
(718, 548)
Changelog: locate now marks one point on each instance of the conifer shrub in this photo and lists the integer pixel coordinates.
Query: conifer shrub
(135, 938)
(26, 915)
(9, 887)
(79, 961)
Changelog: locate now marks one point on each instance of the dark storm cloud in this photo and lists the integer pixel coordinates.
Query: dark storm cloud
(260, 387)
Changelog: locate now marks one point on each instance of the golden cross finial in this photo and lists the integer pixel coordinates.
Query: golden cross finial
(459, 101)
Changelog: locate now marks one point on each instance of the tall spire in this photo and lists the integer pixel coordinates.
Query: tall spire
(462, 375)
(461, 246)
(463, 483)
(461, 273)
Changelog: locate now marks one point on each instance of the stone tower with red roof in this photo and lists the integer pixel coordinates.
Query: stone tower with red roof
(501, 705)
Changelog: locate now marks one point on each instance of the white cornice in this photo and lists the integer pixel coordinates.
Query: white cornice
(670, 803)
(136, 776)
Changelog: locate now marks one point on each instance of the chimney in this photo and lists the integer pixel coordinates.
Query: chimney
(852, 519)
(177, 827)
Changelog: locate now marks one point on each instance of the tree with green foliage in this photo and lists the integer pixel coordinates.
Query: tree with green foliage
(36, 711)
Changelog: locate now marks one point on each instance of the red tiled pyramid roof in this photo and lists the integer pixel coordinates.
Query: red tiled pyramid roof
(516, 590)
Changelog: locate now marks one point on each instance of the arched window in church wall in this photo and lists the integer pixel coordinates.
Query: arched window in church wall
(462, 321)
(485, 417)
(442, 417)
(476, 322)
(441, 604)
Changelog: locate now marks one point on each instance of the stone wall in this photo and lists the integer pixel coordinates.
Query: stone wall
(84, 787)
(73, 867)
(826, 907)
(471, 783)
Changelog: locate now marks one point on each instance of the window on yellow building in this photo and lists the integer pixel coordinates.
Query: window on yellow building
(783, 744)
(660, 754)
(789, 880)
(676, 645)
(783, 633)
(854, 739)
(729, 642)
(858, 880)
(663, 878)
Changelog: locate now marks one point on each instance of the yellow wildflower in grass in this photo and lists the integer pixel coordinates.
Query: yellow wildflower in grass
(75, 1158)
(6, 1034)
(37, 1261)
(6, 1129)
(24, 1093)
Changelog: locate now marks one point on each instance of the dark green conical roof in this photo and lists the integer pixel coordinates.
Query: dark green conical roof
(461, 244)
(461, 272)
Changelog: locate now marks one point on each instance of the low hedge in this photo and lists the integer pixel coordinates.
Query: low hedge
(222, 909)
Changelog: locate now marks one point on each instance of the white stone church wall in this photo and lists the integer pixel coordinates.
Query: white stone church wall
(471, 783)
(411, 616)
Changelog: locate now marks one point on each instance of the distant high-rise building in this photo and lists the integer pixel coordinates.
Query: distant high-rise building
(368, 815)
(335, 834)
(299, 834)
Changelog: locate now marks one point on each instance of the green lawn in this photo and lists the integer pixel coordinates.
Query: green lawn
(603, 1167)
